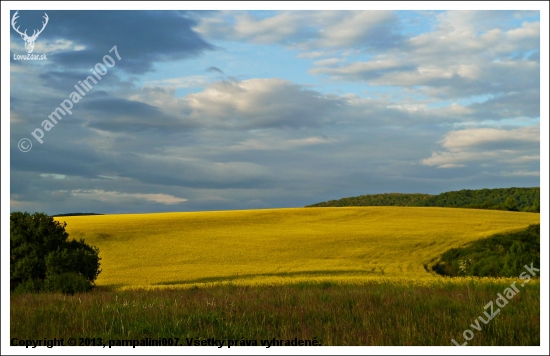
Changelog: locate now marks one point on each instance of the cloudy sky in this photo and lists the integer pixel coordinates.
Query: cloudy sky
(216, 110)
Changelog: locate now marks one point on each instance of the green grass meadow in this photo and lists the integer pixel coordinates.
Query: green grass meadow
(372, 314)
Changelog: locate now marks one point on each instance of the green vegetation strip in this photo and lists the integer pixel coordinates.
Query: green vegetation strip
(511, 199)
(376, 314)
(501, 255)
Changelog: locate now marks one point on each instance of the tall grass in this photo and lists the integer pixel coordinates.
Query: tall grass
(371, 314)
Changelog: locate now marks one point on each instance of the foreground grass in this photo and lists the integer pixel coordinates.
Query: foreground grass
(371, 314)
(256, 246)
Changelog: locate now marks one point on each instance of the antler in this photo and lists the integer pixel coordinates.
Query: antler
(15, 17)
(24, 34)
(34, 36)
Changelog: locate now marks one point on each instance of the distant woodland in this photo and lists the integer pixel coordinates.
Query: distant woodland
(75, 214)
(511, 199)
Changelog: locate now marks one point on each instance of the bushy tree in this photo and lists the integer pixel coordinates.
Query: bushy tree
(501, 255)
(511, 204)
(41, 257)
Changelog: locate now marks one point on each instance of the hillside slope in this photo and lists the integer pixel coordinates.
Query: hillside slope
(282, 244)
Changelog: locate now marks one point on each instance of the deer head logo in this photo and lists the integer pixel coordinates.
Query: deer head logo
(29, 40)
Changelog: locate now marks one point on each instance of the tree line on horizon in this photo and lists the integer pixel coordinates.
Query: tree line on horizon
(510, 199)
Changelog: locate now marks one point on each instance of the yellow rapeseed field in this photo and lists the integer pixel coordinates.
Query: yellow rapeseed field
(273, 246)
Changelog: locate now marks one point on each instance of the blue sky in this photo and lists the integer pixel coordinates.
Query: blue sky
(227, 109)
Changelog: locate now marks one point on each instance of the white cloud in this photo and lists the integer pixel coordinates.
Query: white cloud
(278, 143)
(194, 81)
(458, 58)
(328, 62)
(460, 140)
(42, 46)
(354, 28)
(53, 176)
(116, 197)
(514, 146)
(529, 31)
(257, 103)
(315, 54)
(304, 29)
(521, 174)
(460, 159)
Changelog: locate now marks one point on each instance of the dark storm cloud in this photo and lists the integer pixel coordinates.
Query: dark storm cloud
(59, 157)
(214, 69)
(122, 115)
(142, 37)
(65, 80)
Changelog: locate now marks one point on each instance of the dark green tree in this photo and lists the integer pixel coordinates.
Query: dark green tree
(501, 255)
(511, 204)
(41, 257)
(536, 206)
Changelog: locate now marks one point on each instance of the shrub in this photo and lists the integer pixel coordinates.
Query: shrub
(41, 258)
(68, 283)
(29, 286)
(501, 255)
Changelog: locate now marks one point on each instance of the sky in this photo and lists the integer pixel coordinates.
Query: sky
(194, 110)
